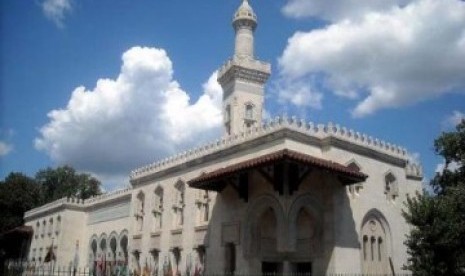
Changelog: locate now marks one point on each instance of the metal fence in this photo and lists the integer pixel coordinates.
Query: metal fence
(45, 271)
(49, 269)
(31, 269)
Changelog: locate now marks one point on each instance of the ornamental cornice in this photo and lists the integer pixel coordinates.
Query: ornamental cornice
(244, 69)
(70, 203)
(329, 135)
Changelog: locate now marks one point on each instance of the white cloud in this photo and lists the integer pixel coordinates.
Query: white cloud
(56, 10)
(391, 59)
(453, 166)
(130, 121)
(300, 94)
(454, 119)
(335, 10)
(5, 148)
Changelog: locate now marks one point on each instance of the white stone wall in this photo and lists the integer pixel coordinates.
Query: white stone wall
(341, 219)
(372, 196)
(78, 222)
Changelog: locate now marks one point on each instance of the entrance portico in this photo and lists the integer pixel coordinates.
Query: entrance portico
(283, 227)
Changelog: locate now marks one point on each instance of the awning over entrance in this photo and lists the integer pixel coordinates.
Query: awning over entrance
(278, 168)
(15, 243)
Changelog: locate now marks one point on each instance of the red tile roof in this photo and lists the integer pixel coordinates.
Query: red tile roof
(350, 176)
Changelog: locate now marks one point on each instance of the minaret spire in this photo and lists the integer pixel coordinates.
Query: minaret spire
(243, 77)
(244, 23)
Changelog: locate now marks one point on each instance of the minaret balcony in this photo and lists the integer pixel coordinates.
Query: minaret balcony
(247, 69)
(248, 63)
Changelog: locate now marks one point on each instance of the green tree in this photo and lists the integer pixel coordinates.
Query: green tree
(66, 182)
(18, 193)
(436, 243)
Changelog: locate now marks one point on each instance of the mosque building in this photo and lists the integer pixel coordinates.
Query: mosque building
(284, 196)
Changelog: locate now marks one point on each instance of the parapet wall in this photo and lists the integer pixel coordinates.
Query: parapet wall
(75, 203)
(319, 131)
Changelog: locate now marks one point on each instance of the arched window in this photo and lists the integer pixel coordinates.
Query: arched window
(136, 262)
(354, 189)
(177, 256)
(158, 209)
(227, 113)
(179, 204)
(249, 111)
(93, 250)
(203, 206)
(124, 247)
(227, 119)
(374, 236)
(249, 115)
(103, 244)
(200, 259)
(37, 230)
(391, 188)
(113, 247)
(155, 261)
(44, 225)
(139, 211)
(58, 225)
(50, 226)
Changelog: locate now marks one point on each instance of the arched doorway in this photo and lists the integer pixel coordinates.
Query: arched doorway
(305, 226)
(270, 260)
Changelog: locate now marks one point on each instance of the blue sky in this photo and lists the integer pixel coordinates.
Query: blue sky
(131, 82)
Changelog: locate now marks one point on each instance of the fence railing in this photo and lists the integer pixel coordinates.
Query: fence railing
(32, 269)
(49, 269)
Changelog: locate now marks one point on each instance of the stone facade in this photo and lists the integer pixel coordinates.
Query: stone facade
(225, 207)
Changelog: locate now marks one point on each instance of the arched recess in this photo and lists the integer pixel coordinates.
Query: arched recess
(314, 210)
(113, 246)
(139, 211)
(124, 244)
(93, 249)
(179, 203)
(251, 228)
(354, 189)
(376, 243)
(158, 199)
(58, 225)
(102, 245)
(391, 186)
(249, 111)
(157, 208)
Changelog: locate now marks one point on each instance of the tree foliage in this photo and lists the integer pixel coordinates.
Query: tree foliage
(19, 193)
(436, 243)
(65, 182)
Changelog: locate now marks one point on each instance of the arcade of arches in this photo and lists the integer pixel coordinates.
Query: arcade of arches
(108, 251)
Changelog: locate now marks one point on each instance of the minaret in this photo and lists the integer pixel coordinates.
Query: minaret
(243, 77)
